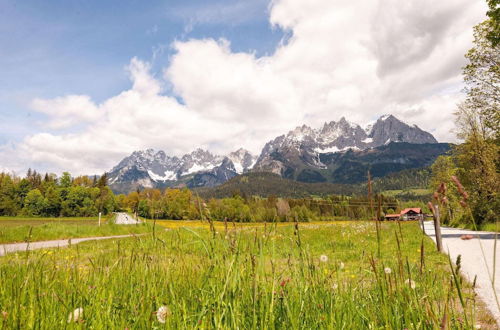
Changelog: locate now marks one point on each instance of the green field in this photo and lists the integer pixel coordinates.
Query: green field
(18, 229)
(321, 276)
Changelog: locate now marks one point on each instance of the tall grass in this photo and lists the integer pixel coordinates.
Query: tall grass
(245, 277)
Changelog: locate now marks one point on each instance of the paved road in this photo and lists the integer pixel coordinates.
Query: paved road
(13, 247)
(473, 261)
(123, 218)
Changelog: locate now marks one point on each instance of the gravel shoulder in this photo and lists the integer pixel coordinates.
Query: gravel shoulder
(14, 247)
(477, 260)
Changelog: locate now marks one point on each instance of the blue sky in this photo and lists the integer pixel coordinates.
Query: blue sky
(54, 48)
(85, 83)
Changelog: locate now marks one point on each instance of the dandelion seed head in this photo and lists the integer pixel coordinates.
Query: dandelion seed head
(387, 270)
(410, 283)
(162, 313)
(323, 258)
(341, 265)
(76, 315)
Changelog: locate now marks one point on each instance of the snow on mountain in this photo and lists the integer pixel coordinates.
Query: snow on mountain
(242, 160)
(148, 168)
(305, 142)
(302, 146)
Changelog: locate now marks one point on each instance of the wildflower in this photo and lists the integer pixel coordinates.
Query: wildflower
(387, 270)
(335, 286)
(284, 282)
(76, 315)
(162, 314)
(410, 283)
(4, 315)
(323, 258)
(341, 265)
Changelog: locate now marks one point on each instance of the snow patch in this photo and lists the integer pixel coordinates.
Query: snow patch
(168, 175)
(238, 167)
(368, 140)
(326, 150)
(198, 168)
(334, 149)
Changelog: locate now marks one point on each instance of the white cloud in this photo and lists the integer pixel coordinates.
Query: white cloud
(67, 111)
(344, 58)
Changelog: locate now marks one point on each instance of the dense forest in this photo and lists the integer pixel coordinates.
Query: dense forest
(48, 195)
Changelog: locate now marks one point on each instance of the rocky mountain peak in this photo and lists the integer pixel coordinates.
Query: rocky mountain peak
(302, 148)
(388, 129)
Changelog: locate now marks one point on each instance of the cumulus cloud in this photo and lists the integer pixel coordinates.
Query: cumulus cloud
(67, 111)
(343, 58)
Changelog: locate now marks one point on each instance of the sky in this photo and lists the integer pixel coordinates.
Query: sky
(83, 83)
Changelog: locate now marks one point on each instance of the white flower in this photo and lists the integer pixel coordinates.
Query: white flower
(162, 314)
(335, 286)
(76, 315)
(341, 265)
(387, 270)
(323, 258)
(477, 326)
(410, 283)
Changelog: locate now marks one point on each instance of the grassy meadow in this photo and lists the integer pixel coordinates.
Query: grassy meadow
(19, 229)
(194, 276)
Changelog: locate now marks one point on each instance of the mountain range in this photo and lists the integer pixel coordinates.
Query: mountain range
(339, 151)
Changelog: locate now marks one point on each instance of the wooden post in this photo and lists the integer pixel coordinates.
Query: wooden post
(99, 219)
(437, 228)
(422, 223)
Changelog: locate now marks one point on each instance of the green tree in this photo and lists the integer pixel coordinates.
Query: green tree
(65, 180)
(482, 79)
(443, 168)
(34, 203)
(478, 121)
(494, 21)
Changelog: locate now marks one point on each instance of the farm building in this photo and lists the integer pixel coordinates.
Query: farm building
(414, 213)
(392, 216)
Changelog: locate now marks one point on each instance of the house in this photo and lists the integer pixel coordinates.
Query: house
(414, 213)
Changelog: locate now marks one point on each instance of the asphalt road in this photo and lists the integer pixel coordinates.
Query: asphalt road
(477, 260)
(14, 247)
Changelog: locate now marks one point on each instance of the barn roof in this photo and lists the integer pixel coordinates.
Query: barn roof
(414, 209)
(392, 215)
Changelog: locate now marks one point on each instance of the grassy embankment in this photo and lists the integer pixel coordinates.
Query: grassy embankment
(319, 276)
(20, 229)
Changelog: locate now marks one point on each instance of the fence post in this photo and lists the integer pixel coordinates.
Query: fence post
(437, 228)
(99, 219)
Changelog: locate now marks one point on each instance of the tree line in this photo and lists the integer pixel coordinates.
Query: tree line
(51, 196)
